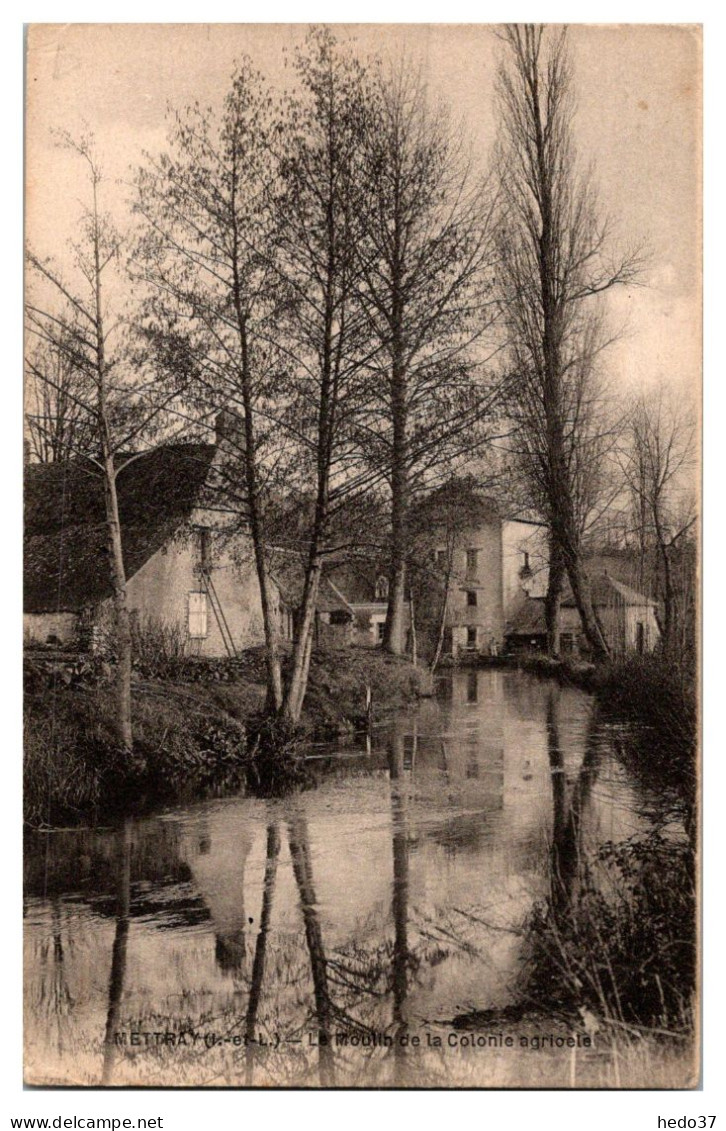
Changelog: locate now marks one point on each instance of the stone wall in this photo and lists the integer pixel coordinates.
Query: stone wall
(37, 627)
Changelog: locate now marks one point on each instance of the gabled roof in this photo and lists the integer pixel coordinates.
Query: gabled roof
(606, 591)
(529, 620)
(66, 564)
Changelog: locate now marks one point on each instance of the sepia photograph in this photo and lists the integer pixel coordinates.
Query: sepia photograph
(362, 556)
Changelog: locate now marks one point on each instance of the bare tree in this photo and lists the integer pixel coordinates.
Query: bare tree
(58, 424)
(250, 250)
(657, 462)
(71, 319)
(427, 253)
(322, 324)
(590, 435)
(554, 260)
(205, 256)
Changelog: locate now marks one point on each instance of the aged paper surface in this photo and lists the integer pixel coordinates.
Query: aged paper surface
(466, 884)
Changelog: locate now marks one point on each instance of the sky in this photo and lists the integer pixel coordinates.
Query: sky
(637, 126)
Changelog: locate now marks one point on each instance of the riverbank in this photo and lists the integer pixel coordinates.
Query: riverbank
(636, 897)
(193, 725)
(611, 954)
(657, 697)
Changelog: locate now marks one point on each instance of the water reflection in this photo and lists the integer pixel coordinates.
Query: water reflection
(400, 833)
(118, 955)
(310, 941)
(567, 847)
(258, 967)
(302, 866)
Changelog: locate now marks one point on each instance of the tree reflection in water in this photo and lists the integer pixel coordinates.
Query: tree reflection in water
(401, 956)
(567, 857)
(445, 792)
(120, 946)
(53, 1003)
(297, 831)
(258, 966)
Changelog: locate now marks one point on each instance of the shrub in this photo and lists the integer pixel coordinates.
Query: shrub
(654, 689)
(71, 762)
(157, 645)
(624, 943)
(74, 770)
(659, 696)
(277, 759)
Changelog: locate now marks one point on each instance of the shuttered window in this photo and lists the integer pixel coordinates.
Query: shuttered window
(197, 615)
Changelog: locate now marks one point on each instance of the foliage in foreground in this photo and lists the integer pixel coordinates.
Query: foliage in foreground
(623, 943)
(203, 733)
(73, 766)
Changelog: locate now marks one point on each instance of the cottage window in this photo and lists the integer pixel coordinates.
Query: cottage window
(441, 559)
(471, 598)
(472, 562)
(340, 616)
(382, 589)
(204, 550)
(197, 615)
(567, 642)
(380, 629)
(471, 636)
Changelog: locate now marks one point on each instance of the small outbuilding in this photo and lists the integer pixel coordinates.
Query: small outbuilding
(628, 620)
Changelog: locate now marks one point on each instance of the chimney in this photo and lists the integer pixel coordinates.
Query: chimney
(229, 431)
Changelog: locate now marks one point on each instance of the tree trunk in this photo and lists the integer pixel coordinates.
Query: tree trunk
(116, 559)
(559, 481)
(394, 636)
(303, 646)
(272, 656)
(442, 628)
(555, 583)
(581, 591)
(123, 628)
(668, 600)
(566, 537)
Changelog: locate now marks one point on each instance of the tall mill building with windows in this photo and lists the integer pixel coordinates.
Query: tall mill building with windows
(483, 567)
(490, 570)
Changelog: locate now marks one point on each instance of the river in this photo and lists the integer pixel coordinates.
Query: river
(333, 937)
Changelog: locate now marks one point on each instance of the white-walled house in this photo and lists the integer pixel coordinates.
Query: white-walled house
(187, 569)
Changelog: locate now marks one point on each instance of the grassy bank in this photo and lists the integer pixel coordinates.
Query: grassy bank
(196, 728)
(618, 938)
